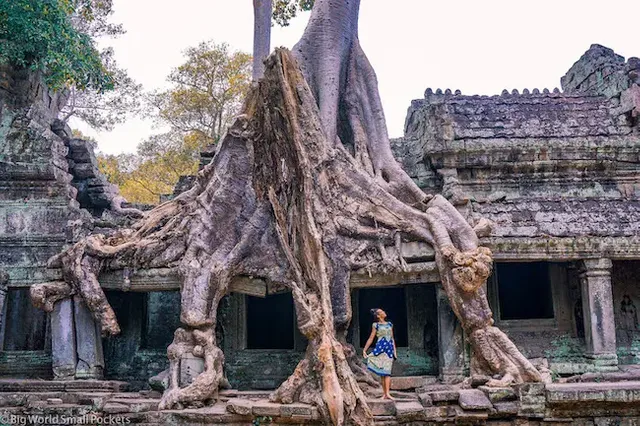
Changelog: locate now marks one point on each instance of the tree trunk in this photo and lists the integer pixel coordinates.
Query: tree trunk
(262, 11)
(302, 190)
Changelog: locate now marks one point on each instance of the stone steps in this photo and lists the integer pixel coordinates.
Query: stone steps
(569, 403)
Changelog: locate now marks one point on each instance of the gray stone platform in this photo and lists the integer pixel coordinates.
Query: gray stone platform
(575, 404)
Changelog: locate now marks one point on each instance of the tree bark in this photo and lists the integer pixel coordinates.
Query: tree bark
(262, 11)
(302, 190)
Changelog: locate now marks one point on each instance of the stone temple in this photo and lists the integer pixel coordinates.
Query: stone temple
(557, 171)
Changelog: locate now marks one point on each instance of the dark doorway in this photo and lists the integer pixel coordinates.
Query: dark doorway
(524, 291)
(270, 322)
(393, 302)
(25, 326)
(161, 319)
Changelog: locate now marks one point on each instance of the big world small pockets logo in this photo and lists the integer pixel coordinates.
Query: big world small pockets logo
(10, 419)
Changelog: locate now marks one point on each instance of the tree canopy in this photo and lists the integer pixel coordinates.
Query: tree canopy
(104, 110)
(285, 10)
(205, 93)
(41, 35)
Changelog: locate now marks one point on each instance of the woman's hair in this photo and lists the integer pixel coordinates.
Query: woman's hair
(374, 313)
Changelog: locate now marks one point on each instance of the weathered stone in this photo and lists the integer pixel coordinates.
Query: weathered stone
(243, 407)
(436, 413)
(407, 382)
(473, 399)
(160, 382)
(409, 411)
(450, 343)
(445, 396)
(266, 409)
(499, 394)
(425, 399)
(296, 410)
(506, 409)
(190, 367)
(115, 408)
(88, 343)
(479, 380)
(382, 407)
(599, 319)
(463, 417)
(63, 341)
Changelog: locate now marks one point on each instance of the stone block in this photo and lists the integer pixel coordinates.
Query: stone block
(382, 407)
(425, 399)
(115, 408)
(499, 394)
(160, 381)
(190, 368)
(474, 399)
(469, 418)
(137, 405)
(54, 401)
(409, 382)
(88, 343)
(243, 407)
(533, 400)
(409, 411)
(296, 410)
(479, 380)
(445, 396)
(63, 341)
(436, 413)
(506, 409)
(266, 409)
(531, 389)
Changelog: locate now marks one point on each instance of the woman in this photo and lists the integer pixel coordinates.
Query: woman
(381, 358)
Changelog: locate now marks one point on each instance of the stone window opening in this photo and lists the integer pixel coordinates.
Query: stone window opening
(160, 319)
(270, 322)
(523, 291)
(25, 328)
(394, 302)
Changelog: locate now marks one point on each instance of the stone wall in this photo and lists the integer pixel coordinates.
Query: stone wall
(559, 175)
(626, 300)
(600, 71)
(49, 188)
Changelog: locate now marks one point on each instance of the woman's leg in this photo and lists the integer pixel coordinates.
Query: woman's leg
(386, 386)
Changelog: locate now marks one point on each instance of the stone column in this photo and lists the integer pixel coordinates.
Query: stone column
(63, 341)
(88, 343)
(450, 341)
(599, 320)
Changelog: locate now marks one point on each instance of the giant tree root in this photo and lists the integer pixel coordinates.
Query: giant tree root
(283, 200)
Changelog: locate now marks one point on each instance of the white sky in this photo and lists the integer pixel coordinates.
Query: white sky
(477, 46)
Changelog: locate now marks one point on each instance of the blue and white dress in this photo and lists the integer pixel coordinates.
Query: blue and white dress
(380, 360)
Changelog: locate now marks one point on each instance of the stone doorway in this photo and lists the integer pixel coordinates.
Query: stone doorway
(414, 313)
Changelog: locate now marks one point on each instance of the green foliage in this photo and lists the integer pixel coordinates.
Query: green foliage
(206, 92)
(285, 10)
(103, 111)
(567, 349)
(41, 35)
(262, 420)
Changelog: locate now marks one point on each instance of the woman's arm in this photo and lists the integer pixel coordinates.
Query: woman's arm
(393, 340)
(370, 340)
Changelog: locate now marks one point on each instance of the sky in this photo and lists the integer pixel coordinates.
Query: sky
(476, 46)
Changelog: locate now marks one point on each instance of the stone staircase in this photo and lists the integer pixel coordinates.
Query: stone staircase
(576, 404)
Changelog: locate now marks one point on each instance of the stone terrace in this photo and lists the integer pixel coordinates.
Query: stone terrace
(530, 404)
